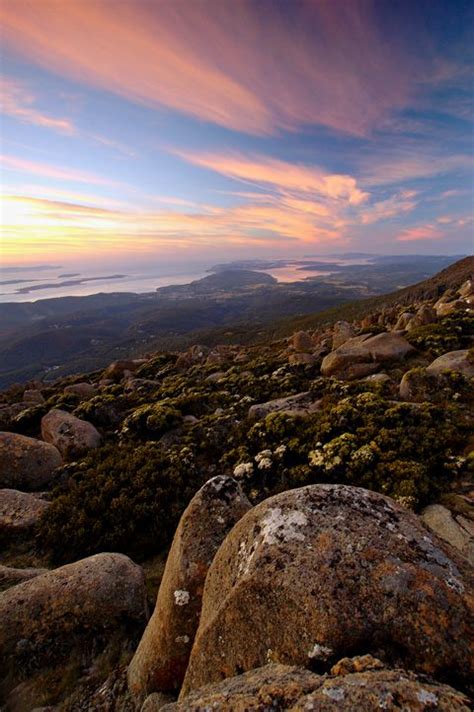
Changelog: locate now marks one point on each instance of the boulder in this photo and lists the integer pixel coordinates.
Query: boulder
(455, 529)
(367, 350)
(282, 687)
(8, 412)
(302, 341)
(116, 370)
(342, 332)
(83, 390)
(162, 656)
(418, 385)
(33, 395)
(299, 404)
(326, 570)
(403, 321)
(302, 359)
(26, 463)
(84, 603)
(72, 436)
(448, 308)
(425, 315)
(156, 701)
(461, 361)
(19, 512)
(466, 289)
(10, 576)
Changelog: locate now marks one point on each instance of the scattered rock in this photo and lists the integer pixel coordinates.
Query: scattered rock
(26, 463)
(302, 342)
(365, 350)
(467, 289)
(83, 390)
(72, 436)
(281, 687)
(450, 307)
(11, 576)
(342, 332)
(404, 321)
(378, 378)
(116, 370)
(457, 530)
(156, 701)
(33, 396)
(19, 512)
(162, 656)
(42, 619)
(418, 385)
(303, 359)
(461, 361)
(299, 404)
(324, 570)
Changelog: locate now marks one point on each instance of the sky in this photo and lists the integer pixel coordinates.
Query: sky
(170, 131)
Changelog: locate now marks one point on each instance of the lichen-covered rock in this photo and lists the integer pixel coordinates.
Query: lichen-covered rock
(299, 404)
(448, 308)
(365, 349)
(72, 436)
(26, 463)
(461, 361)
(19, 512)
(457, 530)
(466, 289)
(327, 569)
(281, 687)
(162, 656)
(302, 359)
(342, 332)
(44, 618)
(10, 576)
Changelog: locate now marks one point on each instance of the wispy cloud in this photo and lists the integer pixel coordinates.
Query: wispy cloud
(244, 65)
(46, 170)
(420, 232)
(19, 102)
(279, 175)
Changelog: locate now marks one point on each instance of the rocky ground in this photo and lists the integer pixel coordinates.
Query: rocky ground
(306, 505)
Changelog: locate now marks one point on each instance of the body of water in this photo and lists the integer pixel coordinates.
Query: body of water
(29, 285)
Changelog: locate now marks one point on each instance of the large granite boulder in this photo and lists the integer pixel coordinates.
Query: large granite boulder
(19, 512)
(82, 390)
(461, 361)
(161, 658)
(26, 463)
(325, 570)
(72, 436)
(281, 687)
(84, 603)
(302, 342)
(365, 350)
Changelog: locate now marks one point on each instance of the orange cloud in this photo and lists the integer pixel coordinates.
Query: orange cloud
(46, 170)
(279, 175)
(421, 232)
(243, 65)
(18, 102)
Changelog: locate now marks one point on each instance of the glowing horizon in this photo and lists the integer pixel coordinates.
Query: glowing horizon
(202, 129)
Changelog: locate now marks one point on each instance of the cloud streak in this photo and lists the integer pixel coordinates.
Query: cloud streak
(255, 67)
(18, 102)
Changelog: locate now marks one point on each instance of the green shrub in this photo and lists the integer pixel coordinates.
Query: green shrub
(125, 498)
(449, 334)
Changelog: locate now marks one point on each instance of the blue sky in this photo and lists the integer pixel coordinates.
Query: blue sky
(151, 130)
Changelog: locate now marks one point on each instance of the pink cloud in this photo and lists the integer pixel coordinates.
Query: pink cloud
(241, 64)
(420, 232)
(46, 170)
(18, 102)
